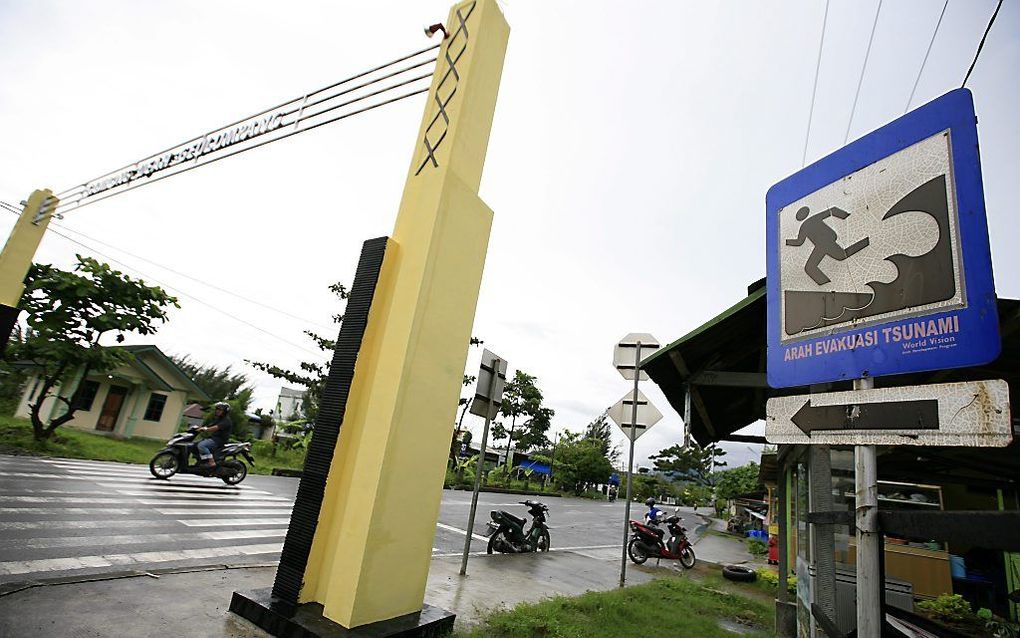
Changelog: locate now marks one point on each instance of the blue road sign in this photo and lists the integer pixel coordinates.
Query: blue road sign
(878, 257)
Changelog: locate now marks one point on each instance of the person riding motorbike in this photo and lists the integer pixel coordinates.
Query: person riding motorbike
(219, 431)
(653, 512)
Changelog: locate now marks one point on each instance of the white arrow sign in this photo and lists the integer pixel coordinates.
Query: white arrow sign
(623, 354)
(970, 414)
(647, 414)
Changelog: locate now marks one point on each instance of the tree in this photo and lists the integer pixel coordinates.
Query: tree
(600, 430)
(464, 403)
(523, 400)
(220, 384)
(68, 313)
(693, 463)
(579, 462)
(737, 481)
(310, 375)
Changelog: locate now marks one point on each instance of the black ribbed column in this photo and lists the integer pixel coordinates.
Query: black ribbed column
(332, 405)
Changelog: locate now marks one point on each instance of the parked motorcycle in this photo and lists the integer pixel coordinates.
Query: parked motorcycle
(180, 449)
(647, 540)
(507, 535)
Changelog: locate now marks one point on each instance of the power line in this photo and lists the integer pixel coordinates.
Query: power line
(307, 95)
(981, 45)
(304, 320)
(926, 53)
(181, 292)
(814, 89)
(864, 67)
(151, 180)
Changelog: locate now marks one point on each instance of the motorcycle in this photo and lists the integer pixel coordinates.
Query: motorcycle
(174, 459)
(647, 541)
(506, 531)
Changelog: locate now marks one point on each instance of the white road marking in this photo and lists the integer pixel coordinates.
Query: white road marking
(223, 512)
(462, 531)
(233, 502)
(159, 487)
(139, 539)
(82, 524)
(200, 494)
(67, 510)
(116, 482)
(243, 522)
(111, 560)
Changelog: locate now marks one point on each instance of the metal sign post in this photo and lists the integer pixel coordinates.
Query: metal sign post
(637, 341)
(492, 370)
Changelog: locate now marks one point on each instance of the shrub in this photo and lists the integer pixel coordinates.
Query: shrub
(771, 580)
(948, 607)
(757, 546)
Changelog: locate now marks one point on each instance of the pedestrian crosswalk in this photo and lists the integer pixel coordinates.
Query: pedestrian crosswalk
(62, 517)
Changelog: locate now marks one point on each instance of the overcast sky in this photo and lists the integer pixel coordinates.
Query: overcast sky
(631, 151)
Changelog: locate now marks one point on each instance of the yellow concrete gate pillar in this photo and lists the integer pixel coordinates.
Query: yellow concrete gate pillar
(17, 255)
(360, 539)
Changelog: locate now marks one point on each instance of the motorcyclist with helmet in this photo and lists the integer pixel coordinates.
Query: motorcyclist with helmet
(219, 430)
(653, 512)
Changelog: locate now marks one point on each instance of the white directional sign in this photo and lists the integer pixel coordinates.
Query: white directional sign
(484, 405)
(647, 414)
(971, 414)
(623, 354)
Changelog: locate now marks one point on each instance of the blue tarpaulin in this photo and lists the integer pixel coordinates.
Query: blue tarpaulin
(540, 468)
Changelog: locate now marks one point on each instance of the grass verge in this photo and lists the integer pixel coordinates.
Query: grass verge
(676, 606)
(16, 438)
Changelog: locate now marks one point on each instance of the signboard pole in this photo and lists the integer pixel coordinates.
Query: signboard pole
(478, 469)
(869, 586)
(630, 462)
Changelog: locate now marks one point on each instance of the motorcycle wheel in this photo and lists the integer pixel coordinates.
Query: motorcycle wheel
(543, 542)
(492, 542)
(164, 465)
(636, 553)
(687, 557)
(238, 471)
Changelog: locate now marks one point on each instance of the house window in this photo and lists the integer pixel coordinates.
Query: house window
(154, 411)
(85, 395)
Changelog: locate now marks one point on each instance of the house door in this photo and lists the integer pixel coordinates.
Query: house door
(111, 408)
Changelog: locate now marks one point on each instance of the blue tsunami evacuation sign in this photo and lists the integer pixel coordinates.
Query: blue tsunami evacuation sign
(877, 255)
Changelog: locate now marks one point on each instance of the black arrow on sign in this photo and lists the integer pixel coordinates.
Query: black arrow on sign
(897, 415)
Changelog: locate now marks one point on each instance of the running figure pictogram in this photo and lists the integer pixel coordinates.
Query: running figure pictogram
(823, 240)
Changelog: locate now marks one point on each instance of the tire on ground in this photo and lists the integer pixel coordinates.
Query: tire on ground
(739, 574)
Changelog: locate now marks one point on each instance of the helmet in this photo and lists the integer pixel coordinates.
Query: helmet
(222, 405)
(650, 502)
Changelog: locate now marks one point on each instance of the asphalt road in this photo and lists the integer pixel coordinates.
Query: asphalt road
(71, 518)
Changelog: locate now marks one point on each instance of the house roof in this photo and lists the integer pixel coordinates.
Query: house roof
(184, 382)
(194, 410)
(292, 393)
(723, 361)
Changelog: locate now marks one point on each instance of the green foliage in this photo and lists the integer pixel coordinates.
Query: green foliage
(523, 400)
(579, 462)
(948, 608)
(756, 546)
(693, 462)
(68, 312)
(219, 383)
(771, 580)
(601, 430)
(737, 481)
(680, 606)
(650, 486)
(310, 375)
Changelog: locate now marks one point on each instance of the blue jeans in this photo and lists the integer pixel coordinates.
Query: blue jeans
(206, 447)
